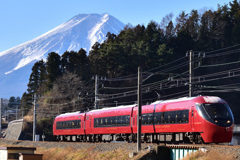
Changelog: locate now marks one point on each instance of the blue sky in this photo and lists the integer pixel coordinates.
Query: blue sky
(23, 20)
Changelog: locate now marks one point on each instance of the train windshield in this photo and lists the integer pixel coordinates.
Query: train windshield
(219, 114)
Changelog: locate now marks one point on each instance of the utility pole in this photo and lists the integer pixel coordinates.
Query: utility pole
(34, 116)
(139, 116)
(96, 92)
(191, 72)
(22, 111)
(1, 105)
(16, 112)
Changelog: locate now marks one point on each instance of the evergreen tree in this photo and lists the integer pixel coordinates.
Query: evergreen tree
(53, 67)
(82, 65)
(235, 19)
(26, 102)
(12, 102)
(37, 77)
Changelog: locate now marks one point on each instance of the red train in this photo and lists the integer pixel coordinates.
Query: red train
(202, 119)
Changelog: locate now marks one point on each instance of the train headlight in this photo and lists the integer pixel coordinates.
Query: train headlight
(216, 121)
(228, 121)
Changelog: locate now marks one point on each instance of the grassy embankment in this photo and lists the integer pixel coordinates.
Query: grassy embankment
(119, 154)
(84, 154)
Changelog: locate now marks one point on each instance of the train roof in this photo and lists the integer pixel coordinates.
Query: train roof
(206, 99)
(68, 114)
(118, 107)
(173, 100)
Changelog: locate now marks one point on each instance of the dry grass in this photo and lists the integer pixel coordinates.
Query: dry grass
(211, 155)
(28, 118)
(81, 154)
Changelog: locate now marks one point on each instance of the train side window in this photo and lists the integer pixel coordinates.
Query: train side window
(157, 118)
(76, 124)
(127, 120)
(180, 117)
(172, 117)
(165, 117)
(150, 118)
(101, 122)
(144, 119)
(121, 120)
(104, 122)
(162, 118)
(118, 120)
(185, 116)
(95, 122)
(110, 121)
(113, 121)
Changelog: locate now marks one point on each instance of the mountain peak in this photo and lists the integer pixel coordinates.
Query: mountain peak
(81, 31)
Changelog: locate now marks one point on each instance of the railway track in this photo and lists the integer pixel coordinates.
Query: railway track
(118, 143)
(131, 147)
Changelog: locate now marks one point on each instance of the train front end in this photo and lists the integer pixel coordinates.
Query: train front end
(218, 120)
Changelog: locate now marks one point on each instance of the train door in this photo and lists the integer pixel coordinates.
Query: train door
(134, 128)
(84, 123)
(91, 123)
(192, 118)
(132, 119)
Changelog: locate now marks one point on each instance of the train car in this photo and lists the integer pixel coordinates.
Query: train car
(68, 126)
(202, 119)
(109, 124)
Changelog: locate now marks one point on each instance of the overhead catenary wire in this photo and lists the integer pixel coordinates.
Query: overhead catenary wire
(181, 79)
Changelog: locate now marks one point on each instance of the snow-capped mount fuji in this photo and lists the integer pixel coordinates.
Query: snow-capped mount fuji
(82, 31)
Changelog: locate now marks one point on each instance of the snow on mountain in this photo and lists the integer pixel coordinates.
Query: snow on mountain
(82, 31)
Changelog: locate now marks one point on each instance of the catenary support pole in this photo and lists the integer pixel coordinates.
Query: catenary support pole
(139, 116)
(34, 117)
(191, 72)
(96, 92)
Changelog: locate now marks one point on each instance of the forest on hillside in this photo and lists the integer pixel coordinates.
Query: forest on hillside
(65, 83)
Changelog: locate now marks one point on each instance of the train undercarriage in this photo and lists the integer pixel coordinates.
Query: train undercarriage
(189, 137)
